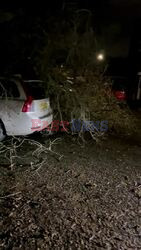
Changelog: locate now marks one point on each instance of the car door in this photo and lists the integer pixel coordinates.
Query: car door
(11, 105)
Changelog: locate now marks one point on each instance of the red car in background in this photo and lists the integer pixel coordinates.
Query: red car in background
(119, 88)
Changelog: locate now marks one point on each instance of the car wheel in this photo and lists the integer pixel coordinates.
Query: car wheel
(2, 132)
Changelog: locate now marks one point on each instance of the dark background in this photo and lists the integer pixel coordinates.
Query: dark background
(115, 22)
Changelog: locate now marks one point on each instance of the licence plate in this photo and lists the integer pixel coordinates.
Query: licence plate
(43, 106)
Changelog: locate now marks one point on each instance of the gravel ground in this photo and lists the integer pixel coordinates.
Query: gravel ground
(88, 199)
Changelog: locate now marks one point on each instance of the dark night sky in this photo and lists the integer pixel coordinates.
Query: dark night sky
(112, 19)
(108, 13)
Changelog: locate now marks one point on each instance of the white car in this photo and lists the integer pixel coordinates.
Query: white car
(24, 107)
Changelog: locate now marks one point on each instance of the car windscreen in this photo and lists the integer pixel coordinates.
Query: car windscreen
(36, 89)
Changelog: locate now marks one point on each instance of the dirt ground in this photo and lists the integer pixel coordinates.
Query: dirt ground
(83, 197)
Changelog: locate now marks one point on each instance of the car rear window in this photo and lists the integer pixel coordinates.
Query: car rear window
(36, 89)
(9, 89)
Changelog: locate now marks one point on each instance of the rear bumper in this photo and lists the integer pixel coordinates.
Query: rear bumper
(29, 124)
(41, 123)
(45, 116)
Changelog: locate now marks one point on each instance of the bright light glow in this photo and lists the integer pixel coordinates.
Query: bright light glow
(100, 57)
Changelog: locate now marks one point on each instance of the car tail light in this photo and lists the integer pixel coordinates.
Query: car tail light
(28, 107)
(120, 95)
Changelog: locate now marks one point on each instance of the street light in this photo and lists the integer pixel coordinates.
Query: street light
(100, 57)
